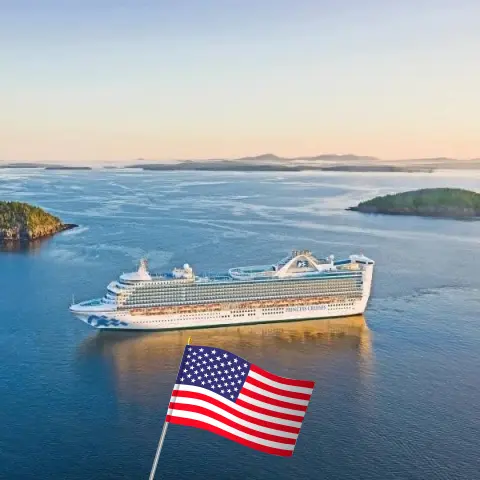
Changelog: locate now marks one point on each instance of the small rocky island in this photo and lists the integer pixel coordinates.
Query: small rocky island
(23, 222)
(428, 202)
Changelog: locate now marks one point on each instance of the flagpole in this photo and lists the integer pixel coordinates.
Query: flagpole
(159, 449)
(162, 439)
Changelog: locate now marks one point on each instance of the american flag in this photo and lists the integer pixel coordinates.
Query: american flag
(221, 392)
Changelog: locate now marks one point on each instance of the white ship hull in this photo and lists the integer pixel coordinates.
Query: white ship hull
(127, 321)
(106, 316)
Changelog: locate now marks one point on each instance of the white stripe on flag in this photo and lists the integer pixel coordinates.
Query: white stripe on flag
(269, 406)
(215, 423)
(241, 409)
(282, 386)
(261, 391)
(233, 418)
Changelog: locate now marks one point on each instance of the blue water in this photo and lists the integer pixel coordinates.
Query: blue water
(399, 400)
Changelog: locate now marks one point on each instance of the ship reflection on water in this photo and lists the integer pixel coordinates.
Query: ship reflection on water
(144, 363)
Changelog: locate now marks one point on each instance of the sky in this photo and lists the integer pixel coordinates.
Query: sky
(116, 80)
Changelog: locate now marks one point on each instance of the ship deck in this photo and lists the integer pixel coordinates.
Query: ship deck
(225, 277)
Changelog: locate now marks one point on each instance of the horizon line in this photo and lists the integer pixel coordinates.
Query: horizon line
(260, 156)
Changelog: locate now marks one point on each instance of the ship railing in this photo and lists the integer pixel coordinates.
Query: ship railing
(265, 276)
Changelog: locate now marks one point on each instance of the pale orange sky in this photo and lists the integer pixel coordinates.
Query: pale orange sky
(388, 79)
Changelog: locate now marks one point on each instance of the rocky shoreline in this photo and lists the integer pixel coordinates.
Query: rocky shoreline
(19, 235)
(21, 222)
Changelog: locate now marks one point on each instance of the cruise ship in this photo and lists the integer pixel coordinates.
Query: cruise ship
(298, 287)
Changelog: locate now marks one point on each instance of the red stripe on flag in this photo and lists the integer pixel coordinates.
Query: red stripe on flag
(277, 391)
(205, 426)
(286, 381)
(271, 401)
(230, 423)
(266, 411)
(243, 416)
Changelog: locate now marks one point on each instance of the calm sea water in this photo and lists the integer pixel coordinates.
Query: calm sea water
(397, 393)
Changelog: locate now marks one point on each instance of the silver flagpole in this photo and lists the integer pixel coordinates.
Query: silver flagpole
(159, 449)
(160, 442)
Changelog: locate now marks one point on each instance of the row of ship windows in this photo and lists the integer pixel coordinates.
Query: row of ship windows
(252, 286)
(183, 302)
(267, 296)
(337, 306)
(196, 315)
(248, 292)
(251, 289)
(265, 311)
(154, 304)
(334, 306)
(170, 320)
(257, 295)
(208, 285)
(210, 315)
(183, 317)
(261, 288)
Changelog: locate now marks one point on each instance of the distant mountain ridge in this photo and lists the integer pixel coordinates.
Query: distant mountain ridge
(334, 159)
(45, 166)
(323, 162)
(347, 162)
(324, 156)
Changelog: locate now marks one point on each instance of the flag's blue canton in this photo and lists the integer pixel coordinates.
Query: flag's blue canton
(215, 369)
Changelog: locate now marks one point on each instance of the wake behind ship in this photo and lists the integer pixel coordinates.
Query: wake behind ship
(298, 287)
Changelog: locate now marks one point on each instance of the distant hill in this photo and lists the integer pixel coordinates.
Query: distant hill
(24, 165)
(324, 162)
(430, 160)
(375, 168)
(328, 157)
(221, 165)
(266, 157)
(66, 167)
(252, 166)
(44, 166)
(21, 221)
(429, 202)
(332, 157)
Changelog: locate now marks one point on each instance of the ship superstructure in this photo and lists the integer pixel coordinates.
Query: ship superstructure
(300, 286)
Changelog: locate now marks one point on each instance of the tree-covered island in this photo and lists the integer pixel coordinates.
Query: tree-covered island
(23, 222)
(428, 202)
